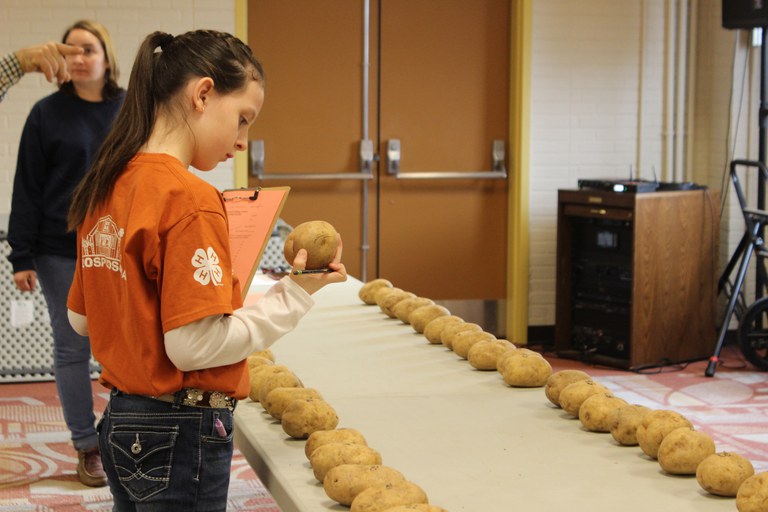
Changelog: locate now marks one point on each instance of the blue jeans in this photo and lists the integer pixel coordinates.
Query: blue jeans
(162, 456)
(71, 352)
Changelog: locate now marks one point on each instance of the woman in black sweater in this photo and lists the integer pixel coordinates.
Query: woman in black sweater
(61, 136)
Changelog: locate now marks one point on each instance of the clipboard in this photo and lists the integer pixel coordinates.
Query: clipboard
(252, 214)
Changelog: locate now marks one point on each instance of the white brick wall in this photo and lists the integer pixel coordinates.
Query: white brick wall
(28, 22)
(597, 109)
(584, 108)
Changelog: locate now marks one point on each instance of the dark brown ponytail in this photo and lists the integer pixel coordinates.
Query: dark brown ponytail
(163, 66)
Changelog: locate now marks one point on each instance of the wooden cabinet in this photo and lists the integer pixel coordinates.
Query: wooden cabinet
(636, 276)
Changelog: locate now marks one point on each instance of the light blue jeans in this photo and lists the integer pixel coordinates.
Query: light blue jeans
(162, 456)
(71, 352)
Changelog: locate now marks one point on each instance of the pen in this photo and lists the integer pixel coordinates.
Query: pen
(312, 271)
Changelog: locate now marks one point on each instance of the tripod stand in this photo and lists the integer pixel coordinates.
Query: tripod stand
(752, 337)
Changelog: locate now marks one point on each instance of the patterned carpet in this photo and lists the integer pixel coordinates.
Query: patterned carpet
(732, 406)
(38, 463)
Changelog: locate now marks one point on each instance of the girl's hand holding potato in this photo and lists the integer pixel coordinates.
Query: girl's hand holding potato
(314, 282)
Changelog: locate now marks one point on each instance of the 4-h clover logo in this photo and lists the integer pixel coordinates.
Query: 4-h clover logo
(207, 265)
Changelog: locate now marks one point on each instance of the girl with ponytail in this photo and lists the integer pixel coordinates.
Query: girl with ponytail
(154, 287)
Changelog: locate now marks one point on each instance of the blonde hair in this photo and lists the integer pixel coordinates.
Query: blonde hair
(112, 74)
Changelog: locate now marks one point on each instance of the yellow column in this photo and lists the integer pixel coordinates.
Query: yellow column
(241, 31)
(519, 144)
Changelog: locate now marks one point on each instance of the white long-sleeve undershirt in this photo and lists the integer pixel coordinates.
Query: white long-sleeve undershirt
(226, 339)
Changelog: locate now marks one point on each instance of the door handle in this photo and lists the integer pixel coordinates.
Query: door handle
(498, 171)
(256, 150)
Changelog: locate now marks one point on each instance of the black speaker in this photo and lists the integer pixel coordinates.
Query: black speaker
(745, 13)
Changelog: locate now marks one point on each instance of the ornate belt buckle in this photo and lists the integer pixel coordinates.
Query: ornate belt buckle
(218, 400)
(192, 397)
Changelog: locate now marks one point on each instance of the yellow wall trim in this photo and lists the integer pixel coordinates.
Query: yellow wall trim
(241, 31)
(519, 162)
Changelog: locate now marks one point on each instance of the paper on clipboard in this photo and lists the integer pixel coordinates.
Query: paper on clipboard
(252, 216)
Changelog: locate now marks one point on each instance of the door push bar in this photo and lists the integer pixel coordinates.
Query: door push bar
(366, 166)
(497, 154)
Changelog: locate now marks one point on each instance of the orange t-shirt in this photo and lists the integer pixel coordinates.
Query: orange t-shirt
(153, 257)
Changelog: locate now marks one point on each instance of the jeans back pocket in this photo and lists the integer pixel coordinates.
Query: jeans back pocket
(143, 455)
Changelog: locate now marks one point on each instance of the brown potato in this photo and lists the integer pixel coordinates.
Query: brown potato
(339, 435)
(288, 251)
(381, 293)
(255, 361)
(723, 473)
(266, 354)
(434, 328)
(260, 374)
(343, 483)
(624, 423)
(331, 455)
(655, 426)
(420, 317)
(406, 306)
(279, 398)
(508, 358)
(574, 394)
(682, 450)
(421, 507)
(388, 299)
(278, 380)
(596, 411)
(318, 238)
(450, 331)
(368, 291)
(377, 499)
(753, 493)
(306, 415)
(526, 371)
(484, 354)
(558, 380)
(464, 340)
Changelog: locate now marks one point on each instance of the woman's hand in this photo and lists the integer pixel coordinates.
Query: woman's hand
(25, 280)
(313, 282)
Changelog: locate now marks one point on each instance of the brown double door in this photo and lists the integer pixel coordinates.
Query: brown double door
(437, 75)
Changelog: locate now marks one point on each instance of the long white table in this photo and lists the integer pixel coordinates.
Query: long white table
(471, 442)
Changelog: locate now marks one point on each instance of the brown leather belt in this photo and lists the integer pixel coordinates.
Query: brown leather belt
(199, 398)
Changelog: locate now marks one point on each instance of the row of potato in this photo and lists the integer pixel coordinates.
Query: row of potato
(663, 435)
(351, 472)
(518, 367)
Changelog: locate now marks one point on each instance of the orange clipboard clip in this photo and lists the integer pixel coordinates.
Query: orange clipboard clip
(252, 214)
